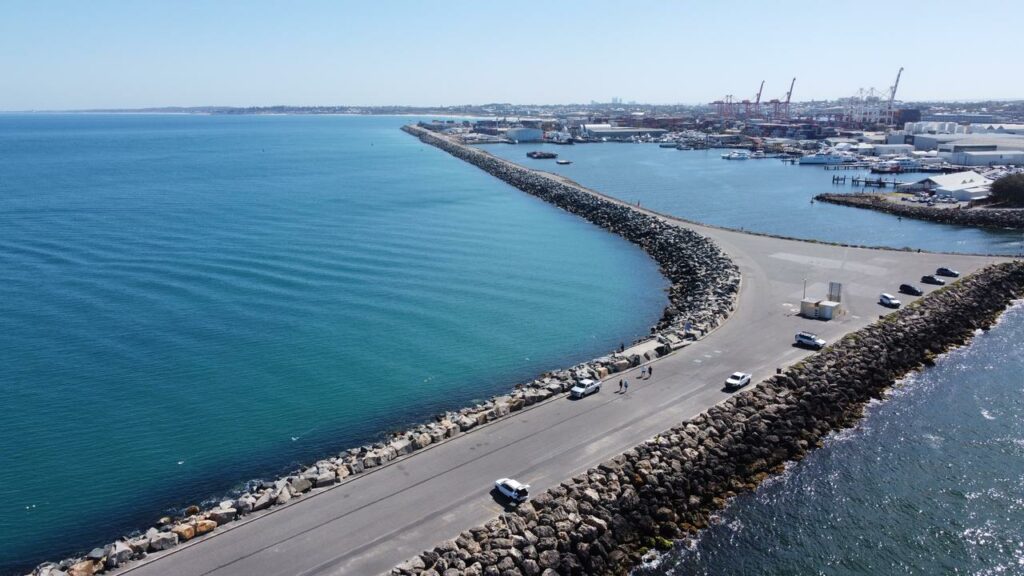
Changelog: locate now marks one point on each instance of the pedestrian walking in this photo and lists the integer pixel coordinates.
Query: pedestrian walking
(650, 371)
(620, 385)
(627, 387)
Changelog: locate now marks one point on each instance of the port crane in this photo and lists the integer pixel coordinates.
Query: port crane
(789, 95)
(780, 108)
(892, 95)
(756, 104)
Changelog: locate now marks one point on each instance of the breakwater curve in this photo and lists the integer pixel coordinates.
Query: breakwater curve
(704, 281)
(604, 520)
(1004, 218)
(704, 286)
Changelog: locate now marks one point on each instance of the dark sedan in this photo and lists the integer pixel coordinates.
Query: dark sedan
(949, 272)
(929, 279)
(910, 289)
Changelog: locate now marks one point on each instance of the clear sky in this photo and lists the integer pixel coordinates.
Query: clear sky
(74, 54)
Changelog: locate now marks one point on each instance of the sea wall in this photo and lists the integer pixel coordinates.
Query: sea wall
(1011, 218)
(703, 292)
(603, 521)
(704, 281)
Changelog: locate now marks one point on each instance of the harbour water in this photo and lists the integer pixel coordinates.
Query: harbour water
(191, 302)
(762, 195)
(929, 483)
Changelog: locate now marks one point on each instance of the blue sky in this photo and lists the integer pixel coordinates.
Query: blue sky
(74, 54)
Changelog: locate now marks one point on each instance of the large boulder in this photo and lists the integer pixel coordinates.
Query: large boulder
(325, 479)
(264, 501)
(245, 504)
(401, 446)
(118, 554)
(185, 532)
(205, 526)
(84, 568)
(162, 541)
(223, 515)
(300, 485)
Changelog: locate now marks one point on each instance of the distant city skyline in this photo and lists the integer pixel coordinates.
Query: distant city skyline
(68, 55)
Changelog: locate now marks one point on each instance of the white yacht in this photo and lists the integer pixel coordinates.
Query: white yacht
(824, 158)
(736, 156)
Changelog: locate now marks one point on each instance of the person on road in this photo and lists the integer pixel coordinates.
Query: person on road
(626, 389)
(650, 372)
(620, 385)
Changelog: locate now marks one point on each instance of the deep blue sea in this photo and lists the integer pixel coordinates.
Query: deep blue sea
(191, 302)
(760, 195)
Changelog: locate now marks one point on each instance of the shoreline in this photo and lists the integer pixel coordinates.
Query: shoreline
(990, 218)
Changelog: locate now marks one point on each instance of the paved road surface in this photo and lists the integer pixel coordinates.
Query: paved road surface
(382, 518)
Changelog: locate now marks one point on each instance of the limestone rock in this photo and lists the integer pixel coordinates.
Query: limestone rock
(185, 532)
(162, 541)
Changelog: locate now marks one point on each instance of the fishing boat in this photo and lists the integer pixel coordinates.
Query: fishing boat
(563, 162)
(541, 155)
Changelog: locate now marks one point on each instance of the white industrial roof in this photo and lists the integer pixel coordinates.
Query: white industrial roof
(960, 180)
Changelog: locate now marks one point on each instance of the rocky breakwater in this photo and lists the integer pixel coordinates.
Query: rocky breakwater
(704, 281)
(605, 520)
(1008, 218)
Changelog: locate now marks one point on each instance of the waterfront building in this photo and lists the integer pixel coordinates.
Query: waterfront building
(609, 131)
(525, 134)
(964, 186)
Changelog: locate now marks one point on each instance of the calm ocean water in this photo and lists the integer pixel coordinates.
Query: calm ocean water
(760, 195)
(932, 482)
(190, 302)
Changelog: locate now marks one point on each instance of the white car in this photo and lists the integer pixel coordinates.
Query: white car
(889, 300)
(737, 380)
(513, 489)
(809, 340)
(585, 388)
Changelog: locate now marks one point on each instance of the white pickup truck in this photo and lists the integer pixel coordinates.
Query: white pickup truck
(585, 388)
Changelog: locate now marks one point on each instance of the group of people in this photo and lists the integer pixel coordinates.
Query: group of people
(645, 373)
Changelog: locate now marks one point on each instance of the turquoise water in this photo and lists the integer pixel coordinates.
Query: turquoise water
(760, 195)
(190, 302)
(929, 483)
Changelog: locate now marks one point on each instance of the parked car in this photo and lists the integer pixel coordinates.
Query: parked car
(911, 289)
(585, 388)
(809, 340)
(513, 489)
(929, 279)
(949, 272)
(737, 380)
(889, 300)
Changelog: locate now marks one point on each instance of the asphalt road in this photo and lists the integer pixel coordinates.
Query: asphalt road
(379, 519)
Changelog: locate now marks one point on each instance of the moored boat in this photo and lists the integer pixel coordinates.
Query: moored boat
(541, 155)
